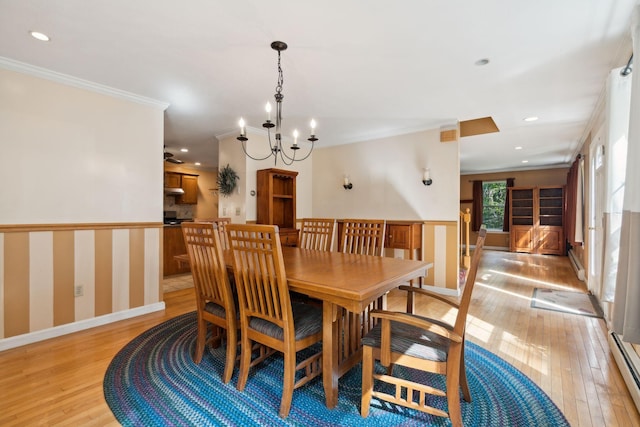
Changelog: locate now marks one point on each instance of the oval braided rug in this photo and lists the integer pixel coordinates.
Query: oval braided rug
(153, 381)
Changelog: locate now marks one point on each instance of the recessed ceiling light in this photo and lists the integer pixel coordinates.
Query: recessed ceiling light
(518, 148)
(184, 150)
(197, 163)
(481, 62)
(525, 161)
(40, 36)
(530, 119)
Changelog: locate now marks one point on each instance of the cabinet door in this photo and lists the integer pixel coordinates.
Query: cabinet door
(190, 187)
(550, 240)
(172, 180)
(521, 238)
(289, 237)
(398, 236)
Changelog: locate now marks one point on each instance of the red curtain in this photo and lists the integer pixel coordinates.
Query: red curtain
(507, 209)
(570, 203)
(477, 206)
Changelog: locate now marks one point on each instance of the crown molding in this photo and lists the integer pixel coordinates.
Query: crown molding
(68, 80)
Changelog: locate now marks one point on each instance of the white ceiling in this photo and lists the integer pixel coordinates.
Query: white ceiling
(362, 69)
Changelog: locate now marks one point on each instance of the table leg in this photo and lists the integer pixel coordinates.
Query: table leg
(330, 368)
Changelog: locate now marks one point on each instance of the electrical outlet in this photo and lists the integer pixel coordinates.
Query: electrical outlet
(237, 211)
(78, 291)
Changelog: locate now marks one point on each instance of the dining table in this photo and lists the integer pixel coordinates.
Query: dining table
(348, 285)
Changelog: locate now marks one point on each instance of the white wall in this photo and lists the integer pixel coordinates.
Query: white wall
(72, 155)
(387, 179)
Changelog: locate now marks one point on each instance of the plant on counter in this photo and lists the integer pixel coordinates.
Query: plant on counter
(227, 178)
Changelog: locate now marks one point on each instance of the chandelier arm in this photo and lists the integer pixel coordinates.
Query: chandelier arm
(293, 159)
(254, 158)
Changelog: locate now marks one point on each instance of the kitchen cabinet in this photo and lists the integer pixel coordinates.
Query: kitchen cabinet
(188, 183)
(173, 244)
(172, 180)
(276, 202)
(537, 220)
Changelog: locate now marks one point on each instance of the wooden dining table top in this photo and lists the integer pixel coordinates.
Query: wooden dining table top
(349, 280)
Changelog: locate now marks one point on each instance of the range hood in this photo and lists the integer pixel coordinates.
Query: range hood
(173, 191)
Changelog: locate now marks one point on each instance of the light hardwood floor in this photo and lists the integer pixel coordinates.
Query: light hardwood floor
(59, 381)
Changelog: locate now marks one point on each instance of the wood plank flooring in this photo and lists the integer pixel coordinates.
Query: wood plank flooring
(59, 381)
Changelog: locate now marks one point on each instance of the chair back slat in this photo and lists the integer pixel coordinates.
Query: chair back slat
(208, 269)
(259, 271)
(363, 236)
(465, 299)
(317, 233)
(222, 228)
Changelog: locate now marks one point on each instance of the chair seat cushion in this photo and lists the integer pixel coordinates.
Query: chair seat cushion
(218, 310)
(307, 320)
(412, 341)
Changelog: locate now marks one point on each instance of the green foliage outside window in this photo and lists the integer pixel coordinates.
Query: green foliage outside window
(494, 194)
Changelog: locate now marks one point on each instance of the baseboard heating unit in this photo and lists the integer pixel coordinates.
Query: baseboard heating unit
(577, 266)
(628, 362)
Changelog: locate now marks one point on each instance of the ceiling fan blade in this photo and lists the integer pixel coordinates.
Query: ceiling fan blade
(172, 160)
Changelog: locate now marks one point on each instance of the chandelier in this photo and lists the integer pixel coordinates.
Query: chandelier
(275, 145)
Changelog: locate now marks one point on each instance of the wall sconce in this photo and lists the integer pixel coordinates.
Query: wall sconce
(426, 177)
(347, 184)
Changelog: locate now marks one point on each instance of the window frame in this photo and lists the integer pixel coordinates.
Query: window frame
(493, 205)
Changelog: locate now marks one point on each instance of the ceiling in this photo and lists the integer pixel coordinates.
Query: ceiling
(362, 70)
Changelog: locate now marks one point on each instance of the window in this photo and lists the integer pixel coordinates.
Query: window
(494, 194)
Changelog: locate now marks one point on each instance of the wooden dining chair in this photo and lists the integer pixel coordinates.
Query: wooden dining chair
(214, 297)
(222, 228)
(267, 315)
(362, 236)
(421, 343)
(317, 233)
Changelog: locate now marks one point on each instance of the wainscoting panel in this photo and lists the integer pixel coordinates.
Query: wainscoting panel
(59, 275)
(440, 246)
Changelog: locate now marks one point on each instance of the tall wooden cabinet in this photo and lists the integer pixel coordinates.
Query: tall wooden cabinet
(276, 200)
(537, 219)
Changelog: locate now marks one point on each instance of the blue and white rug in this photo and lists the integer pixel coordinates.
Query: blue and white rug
(153, 381)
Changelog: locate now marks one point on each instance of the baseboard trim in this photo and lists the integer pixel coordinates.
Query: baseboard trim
(628, 363)
(45, 334)
(442, 291)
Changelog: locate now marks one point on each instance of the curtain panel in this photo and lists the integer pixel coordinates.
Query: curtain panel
(570, 202)
(615, 159)
(507, 205)
(477, 206)
(626, 307)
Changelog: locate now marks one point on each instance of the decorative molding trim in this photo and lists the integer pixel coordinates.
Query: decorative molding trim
(32, 70)
(81, 325)
(19, 228)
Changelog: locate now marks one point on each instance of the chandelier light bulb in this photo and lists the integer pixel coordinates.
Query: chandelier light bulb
(313, 127)
(295, 137)
(267, 108)
(241, 124)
